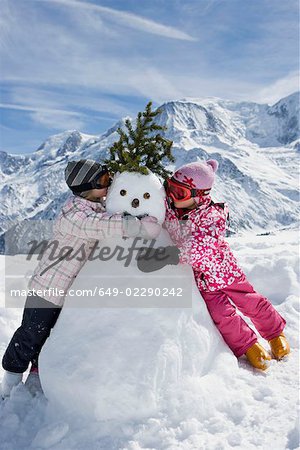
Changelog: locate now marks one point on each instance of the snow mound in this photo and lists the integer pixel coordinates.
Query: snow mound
(127, 361)
(198, 401)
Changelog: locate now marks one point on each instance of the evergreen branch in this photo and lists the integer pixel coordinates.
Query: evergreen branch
(141, 147)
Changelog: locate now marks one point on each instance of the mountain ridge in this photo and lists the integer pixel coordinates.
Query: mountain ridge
(256, 145)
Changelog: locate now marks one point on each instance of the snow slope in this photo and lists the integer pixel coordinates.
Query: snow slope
(223, 406)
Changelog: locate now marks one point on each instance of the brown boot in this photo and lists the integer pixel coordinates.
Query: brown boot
(279, 346)
(258, 357)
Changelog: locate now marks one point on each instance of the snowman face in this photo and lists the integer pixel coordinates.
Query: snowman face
(136, 194)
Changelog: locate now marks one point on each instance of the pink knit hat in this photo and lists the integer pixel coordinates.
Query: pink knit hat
(197, 175)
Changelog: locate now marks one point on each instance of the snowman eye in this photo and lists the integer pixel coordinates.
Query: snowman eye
(146, 195)
(123, 192)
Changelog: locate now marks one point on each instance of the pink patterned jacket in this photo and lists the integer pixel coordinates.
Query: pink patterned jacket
(200, 236)
(79, 226)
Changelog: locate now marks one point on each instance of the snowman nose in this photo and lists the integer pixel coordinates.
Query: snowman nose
(135, 203)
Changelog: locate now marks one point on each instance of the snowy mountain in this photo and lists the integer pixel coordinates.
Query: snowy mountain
(256, 146)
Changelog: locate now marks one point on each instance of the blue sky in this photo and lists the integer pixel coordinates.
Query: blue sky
(70, 64)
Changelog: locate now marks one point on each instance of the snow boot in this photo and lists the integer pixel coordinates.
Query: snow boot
(258, 357)
(10, 380)
(33, 382)
(279, 346)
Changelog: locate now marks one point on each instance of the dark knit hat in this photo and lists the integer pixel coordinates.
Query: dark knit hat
(82, 175)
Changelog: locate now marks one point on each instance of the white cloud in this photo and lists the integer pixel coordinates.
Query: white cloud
(129, 19)
(51, 118)
(75, 64)
(83, 57)
(34, 109)
(60, 120)
(279, 89)
(58, 55)
(73, 99)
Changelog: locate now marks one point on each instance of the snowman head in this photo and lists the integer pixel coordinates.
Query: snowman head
(136, 194)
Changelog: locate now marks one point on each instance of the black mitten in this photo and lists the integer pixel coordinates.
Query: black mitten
(152, 259)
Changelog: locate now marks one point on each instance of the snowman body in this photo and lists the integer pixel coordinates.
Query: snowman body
(128, 358)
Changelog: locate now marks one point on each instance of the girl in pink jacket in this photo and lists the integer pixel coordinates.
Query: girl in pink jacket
(197, 225)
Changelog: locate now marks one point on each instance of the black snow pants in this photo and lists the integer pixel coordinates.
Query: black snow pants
(39, 317)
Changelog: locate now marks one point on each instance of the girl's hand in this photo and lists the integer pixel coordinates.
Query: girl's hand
(150, 228)
(149, 219)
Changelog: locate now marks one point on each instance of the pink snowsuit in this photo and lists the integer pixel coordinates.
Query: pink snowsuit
(200, 236)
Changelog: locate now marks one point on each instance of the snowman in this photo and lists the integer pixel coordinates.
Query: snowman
(138, 195)
(136, 159)
(136, 351)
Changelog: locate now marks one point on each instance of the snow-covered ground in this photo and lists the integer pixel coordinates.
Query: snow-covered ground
(226, 405)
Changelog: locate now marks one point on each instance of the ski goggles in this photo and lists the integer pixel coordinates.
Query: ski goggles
(180, 192)
(106, 181)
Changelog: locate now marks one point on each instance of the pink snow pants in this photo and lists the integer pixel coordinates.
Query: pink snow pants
(235, 331)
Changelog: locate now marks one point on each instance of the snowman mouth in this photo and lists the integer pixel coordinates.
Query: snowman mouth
(135, 203)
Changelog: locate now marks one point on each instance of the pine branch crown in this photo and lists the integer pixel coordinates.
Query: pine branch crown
(141, 148)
